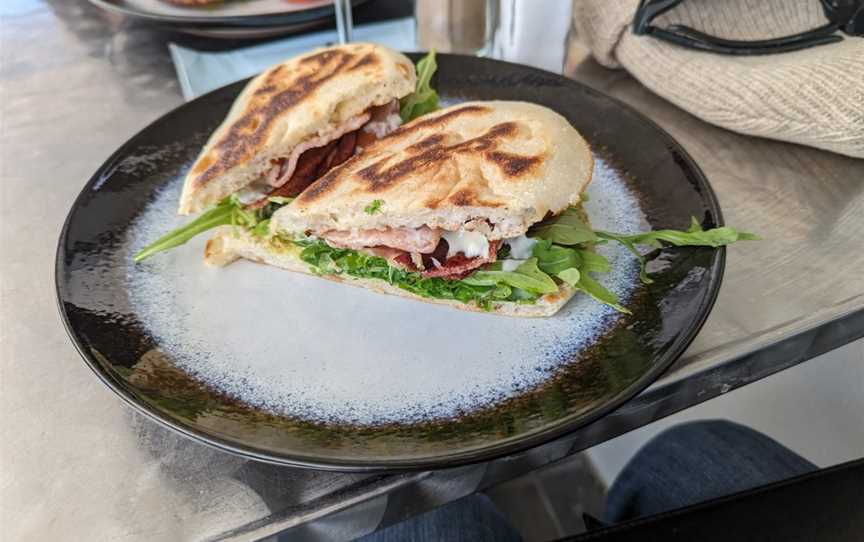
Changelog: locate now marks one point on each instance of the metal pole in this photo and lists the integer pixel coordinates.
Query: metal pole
(344, 22)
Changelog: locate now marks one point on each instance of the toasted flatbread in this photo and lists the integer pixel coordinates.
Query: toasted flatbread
(309, 96)
(508, 163)
(228, 245)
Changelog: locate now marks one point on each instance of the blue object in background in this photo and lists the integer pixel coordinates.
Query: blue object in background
(200, 72)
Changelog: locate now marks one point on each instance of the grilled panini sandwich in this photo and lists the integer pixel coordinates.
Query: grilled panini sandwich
(438, 210)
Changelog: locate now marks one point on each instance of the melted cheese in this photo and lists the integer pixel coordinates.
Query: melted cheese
(469, 243)
(521, 247)
(253, 192)
(383, 127)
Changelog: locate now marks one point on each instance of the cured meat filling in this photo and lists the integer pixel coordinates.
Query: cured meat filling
(291, 175)
(422, 250)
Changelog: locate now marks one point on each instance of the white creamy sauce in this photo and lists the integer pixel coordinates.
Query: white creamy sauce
(521, 247)
(510, 265)
(383, 127)
(253, 192)
(469, 243)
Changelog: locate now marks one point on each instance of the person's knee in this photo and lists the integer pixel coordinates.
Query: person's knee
(701, 430)
(691, 437)
(698, 460)
(679, 440)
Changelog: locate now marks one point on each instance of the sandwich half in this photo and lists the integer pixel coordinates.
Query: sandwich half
(291, 125)
(450, 208)
(298, 119)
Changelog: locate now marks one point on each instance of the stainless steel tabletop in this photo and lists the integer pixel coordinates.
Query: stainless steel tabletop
(77, 463)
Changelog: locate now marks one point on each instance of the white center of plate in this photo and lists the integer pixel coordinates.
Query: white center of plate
(306, 347)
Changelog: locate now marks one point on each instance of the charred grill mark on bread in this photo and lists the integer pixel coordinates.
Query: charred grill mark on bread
(430, 141)
(247, 134)
(430, 153)
(469, 198)
(514, 165)
(366, 60)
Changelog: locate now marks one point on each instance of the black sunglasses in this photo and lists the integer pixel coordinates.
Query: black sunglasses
(846, 16)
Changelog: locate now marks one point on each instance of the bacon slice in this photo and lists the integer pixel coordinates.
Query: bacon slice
(343, 151)
(403, 260)
(433, 260)
(313, 164)
(437, 264)
(306, 171)
(423, 239)
(287, 168)
(375, 123)
(313, 158)
(458, 266)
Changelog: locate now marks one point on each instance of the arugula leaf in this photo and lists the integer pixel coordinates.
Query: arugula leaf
(527, 277)
(579, 278)
(225, 212)
(228, 211)
(373, 207)
(424, 99)
(521, 296)
(243, 217)
(570, 276)
(261, 229)
(569, 229)
(596, 290)
(553, 259)
(591, 287)
(694, 236)
(565, 229)
(631, 247)
(593, 262)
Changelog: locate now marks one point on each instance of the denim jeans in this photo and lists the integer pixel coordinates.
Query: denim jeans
(683, 465)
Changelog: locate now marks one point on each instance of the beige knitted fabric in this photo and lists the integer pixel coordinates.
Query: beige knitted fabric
(814, 97)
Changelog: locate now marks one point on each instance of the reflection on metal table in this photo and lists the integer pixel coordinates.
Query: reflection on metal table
(76, 84)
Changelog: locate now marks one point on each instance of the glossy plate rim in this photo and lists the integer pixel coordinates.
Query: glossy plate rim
(503, 448)
(294, 17)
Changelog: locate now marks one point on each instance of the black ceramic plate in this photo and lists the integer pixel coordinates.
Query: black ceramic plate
(161, 345)
(233, 13)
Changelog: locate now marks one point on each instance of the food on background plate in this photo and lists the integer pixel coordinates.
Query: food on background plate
(476, 206)
(192, 3)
